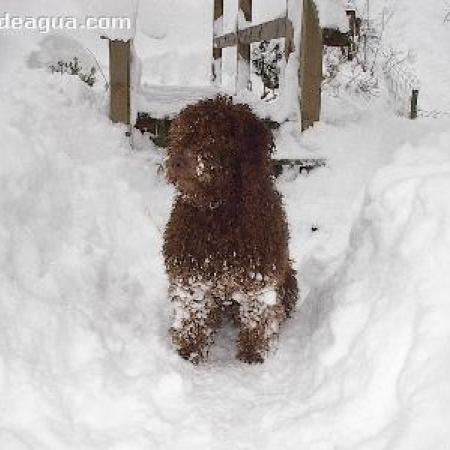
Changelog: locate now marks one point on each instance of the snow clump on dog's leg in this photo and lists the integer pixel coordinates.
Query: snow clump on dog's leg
(260, 316)
(197, 315)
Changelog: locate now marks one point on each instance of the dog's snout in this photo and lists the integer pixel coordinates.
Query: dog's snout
(180, 168)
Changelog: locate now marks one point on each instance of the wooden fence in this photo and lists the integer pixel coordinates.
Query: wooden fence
(312, 38)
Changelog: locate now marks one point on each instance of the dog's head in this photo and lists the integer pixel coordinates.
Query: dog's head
(213, 146)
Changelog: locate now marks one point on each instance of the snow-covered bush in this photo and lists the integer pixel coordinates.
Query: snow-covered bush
(74, 68)
(343, 76)
(332, 60)
(266, 63)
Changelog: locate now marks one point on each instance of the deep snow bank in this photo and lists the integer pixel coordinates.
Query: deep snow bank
(75, 279)
(389, 368)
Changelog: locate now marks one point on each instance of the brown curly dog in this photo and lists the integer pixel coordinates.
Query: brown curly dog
(226, 243)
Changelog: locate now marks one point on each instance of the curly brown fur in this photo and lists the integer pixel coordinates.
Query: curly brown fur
(227, 237)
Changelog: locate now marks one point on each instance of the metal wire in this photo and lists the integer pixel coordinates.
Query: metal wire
(433, 114)
(400, 82)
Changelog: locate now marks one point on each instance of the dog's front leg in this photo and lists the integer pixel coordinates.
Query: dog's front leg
(197, 314)
(260, 316)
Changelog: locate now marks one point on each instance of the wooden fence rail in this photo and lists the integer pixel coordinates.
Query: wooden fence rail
(275, 29)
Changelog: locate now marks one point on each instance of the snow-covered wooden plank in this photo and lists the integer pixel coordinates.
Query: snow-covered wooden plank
(300, 164)
(167, 101)
(159, 127)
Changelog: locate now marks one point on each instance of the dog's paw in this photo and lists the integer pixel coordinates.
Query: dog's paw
(193, 357)
(190, 348)
(250, 357)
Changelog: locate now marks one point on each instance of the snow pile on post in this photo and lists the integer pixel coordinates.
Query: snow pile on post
(332, 14)
(127, 9)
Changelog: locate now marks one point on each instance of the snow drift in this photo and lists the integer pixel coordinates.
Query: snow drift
(387, 369)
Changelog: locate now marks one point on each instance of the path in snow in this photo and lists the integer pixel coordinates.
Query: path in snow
(85, 362)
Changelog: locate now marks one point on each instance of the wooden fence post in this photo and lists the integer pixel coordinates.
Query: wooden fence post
(310, 70)
(120, 85)
(414, 102)
(217, 52)
(243, 50)
(351, 14)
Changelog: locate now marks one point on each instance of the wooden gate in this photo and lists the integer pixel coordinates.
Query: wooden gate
(311, 39)
(311, 50)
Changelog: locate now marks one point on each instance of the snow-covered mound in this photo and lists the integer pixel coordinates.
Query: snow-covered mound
(76, 281)
(388, 368)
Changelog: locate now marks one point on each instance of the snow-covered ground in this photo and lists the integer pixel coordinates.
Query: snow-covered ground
(85, 362)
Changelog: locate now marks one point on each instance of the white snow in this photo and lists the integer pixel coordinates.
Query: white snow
(85, 360)
(332, 14)
(167, 101)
